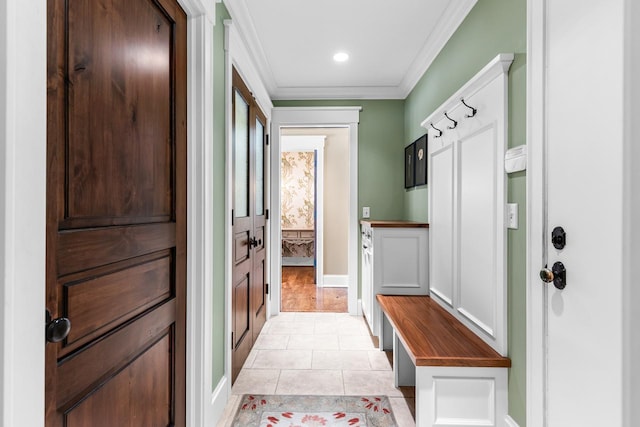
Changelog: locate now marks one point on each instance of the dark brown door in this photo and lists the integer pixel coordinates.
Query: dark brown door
(249, 296)
(116, 212)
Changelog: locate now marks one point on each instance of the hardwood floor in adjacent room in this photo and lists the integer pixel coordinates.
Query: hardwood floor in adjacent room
(299, 292)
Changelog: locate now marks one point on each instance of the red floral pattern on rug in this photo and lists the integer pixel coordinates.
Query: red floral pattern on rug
(314, 411)
(318, 419)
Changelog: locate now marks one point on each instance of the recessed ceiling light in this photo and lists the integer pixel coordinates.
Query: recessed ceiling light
(340, 57)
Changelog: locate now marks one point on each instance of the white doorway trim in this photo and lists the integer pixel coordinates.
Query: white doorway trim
(631, 213)
(315, 117)
(536, 212)
(312, 143)
(23, 124)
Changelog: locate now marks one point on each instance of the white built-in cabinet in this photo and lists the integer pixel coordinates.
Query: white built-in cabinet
(468, 230)
(395, 261)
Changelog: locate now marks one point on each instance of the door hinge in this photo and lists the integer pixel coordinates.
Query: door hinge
(267, 214)
(267, 140)
(231, 216)
(231, 340)
(266, 287)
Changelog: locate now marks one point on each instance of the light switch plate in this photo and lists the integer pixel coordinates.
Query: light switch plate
(512, 216)
(366, 212)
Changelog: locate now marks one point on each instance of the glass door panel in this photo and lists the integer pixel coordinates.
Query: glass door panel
(241, 156)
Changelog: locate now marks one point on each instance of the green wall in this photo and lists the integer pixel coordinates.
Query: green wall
(492, 27)
(218, 164)
(380, 162)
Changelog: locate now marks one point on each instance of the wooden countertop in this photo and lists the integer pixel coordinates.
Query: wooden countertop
(433, 337)
(394, 224)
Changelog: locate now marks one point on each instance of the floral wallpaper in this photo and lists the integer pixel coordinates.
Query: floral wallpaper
(297, 192)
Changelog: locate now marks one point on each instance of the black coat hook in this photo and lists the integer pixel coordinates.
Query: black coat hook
(454, 122)
(473, 110)
(439, 131)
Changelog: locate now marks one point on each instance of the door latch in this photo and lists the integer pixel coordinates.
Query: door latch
(558, 238)
(557, 275)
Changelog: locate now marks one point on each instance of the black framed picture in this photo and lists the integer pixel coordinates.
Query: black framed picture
(420, 160)
(409, 169)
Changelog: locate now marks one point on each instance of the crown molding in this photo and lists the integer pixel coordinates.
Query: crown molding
(455, 13)
(246, 31)
(453, 16)
(345, 92)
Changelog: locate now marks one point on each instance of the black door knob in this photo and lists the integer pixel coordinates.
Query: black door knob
(253, 242)
(57, 329)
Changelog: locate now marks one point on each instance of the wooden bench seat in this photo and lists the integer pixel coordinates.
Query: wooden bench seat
(433, 337)
(459, 379)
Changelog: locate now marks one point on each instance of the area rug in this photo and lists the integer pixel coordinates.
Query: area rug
(314, 411)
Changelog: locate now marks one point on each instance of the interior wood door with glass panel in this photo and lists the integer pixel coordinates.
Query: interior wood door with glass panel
(249, 288)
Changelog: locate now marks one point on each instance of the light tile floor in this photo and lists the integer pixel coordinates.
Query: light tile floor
(319, 354)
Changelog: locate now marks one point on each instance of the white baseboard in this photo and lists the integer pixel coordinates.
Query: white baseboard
(219, 399)
(509, 422)
(359, 307)
(335, 281)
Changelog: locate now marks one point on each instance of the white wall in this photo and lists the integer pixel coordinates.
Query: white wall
(336, 202)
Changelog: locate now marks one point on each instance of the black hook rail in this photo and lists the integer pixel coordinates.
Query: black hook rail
(473, 110)
(439, 131)
(455, 123)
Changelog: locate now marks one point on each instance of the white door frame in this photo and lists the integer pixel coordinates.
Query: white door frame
(312, 143)
(536, 215)
(315, 117)
(23, 124)
(631, 212)
(536, 212)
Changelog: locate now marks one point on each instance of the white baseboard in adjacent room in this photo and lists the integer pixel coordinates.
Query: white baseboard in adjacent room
(297, 262)
(509, 422)
(336, 281)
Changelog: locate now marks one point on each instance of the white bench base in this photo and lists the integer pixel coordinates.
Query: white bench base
(452, 396)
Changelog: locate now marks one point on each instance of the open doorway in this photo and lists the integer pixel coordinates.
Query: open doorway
(314, 214)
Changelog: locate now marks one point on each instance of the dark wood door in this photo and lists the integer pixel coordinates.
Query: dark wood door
(116, 212)
(249, 289)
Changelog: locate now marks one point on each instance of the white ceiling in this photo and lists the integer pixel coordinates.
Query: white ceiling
(390, 44)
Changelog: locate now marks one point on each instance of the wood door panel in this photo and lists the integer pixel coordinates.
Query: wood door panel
(241, 319)
(119, 133)
(116, 212)
(241, 246)
(259, 233)
(99, 301)
(129, 389)
(83, 372)
(248, 211)
(258, 295)
(84, 249)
